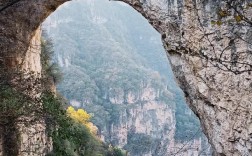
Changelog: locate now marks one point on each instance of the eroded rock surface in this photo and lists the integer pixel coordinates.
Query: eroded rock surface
(149, 126)
(222, 100)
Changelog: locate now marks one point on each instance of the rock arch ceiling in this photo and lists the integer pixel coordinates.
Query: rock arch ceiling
(221, 99)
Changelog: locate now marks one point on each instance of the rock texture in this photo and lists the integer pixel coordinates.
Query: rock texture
(146, 127)
(33, 138)
(138, 113)
(222, 100)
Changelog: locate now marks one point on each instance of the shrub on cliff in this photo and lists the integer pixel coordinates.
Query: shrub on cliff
(50, 70)
(71, 132)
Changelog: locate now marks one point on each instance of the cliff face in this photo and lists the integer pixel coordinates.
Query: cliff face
(132, 93)
(20, 53)
(32, 138)
(222, 100)
(146, 127)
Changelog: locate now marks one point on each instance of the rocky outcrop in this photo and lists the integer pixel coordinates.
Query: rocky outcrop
(137, 113)
(146, 126)
(221, 99)
(31, 60)
(31, 135)
(145, 119)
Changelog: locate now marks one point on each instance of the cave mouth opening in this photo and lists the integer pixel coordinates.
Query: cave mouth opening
(112, 58)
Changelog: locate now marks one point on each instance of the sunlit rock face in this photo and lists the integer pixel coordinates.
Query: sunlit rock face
(222, 100)
(31, 60)
(33, 138)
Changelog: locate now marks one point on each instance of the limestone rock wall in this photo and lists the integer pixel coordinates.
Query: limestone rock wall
(145, 117)
(146, 126)
(33, 139)
(33, 136)
(18, 25)
(20, 52)
(222, 100)
(31, 60)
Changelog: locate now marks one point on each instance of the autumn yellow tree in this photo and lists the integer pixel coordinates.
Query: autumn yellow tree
(81, 116)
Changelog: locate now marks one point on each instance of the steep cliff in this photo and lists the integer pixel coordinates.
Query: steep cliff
(147, 127)
(221, 99)
(19, 133)
(33, 137)
(130, 89)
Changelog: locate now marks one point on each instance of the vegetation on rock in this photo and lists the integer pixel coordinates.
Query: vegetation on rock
(71, 131)
(104, 63)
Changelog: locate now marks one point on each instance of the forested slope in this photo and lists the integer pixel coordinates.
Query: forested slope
(115, 67)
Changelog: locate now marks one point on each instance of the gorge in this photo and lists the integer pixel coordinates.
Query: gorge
(130, 89)
(199, 42)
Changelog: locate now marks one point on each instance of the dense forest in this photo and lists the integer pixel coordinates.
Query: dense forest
(70, 129)
(107, 54)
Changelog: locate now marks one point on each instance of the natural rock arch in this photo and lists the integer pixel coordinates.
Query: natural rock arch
(222, 100)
